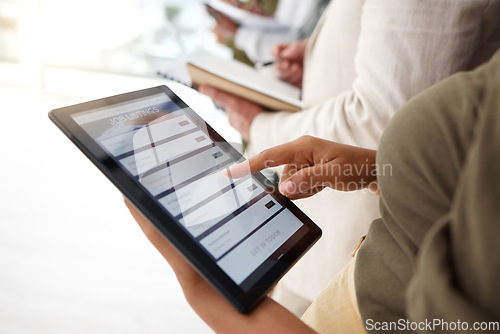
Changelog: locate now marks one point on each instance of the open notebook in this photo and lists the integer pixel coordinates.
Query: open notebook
(242, 80)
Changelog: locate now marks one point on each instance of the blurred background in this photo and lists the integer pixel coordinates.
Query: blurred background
(71, 258)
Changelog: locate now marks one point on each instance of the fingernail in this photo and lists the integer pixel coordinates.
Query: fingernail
(287, 188)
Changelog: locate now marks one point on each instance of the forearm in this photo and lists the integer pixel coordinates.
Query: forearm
(267, 317)
(341, 119)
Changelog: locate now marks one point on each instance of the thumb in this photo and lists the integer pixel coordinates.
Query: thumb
(309, 180)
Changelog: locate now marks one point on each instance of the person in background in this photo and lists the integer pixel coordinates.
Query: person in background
(293, 20)
(431, 263)
(365, 59)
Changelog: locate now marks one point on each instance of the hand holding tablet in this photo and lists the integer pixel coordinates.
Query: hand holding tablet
(241, 235)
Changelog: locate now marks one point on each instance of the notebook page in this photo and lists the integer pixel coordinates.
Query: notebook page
(247, 76)
(245, 18)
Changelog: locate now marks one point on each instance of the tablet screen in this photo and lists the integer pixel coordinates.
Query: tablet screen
(172, 155)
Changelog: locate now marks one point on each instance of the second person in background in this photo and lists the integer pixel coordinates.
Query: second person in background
(288, 20)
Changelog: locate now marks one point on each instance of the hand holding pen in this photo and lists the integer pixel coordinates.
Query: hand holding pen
(290, 61)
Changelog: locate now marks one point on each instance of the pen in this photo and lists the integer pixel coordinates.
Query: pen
(260, 64)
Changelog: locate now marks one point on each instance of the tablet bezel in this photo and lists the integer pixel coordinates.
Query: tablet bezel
(242, 300)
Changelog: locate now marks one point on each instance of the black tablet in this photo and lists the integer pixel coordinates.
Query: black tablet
(241, 235)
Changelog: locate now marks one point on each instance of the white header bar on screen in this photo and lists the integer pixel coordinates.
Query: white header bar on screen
(120, 108)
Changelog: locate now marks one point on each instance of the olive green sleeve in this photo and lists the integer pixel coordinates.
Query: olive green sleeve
(458, 266)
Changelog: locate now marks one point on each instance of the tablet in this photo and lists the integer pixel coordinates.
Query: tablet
(241, 235)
